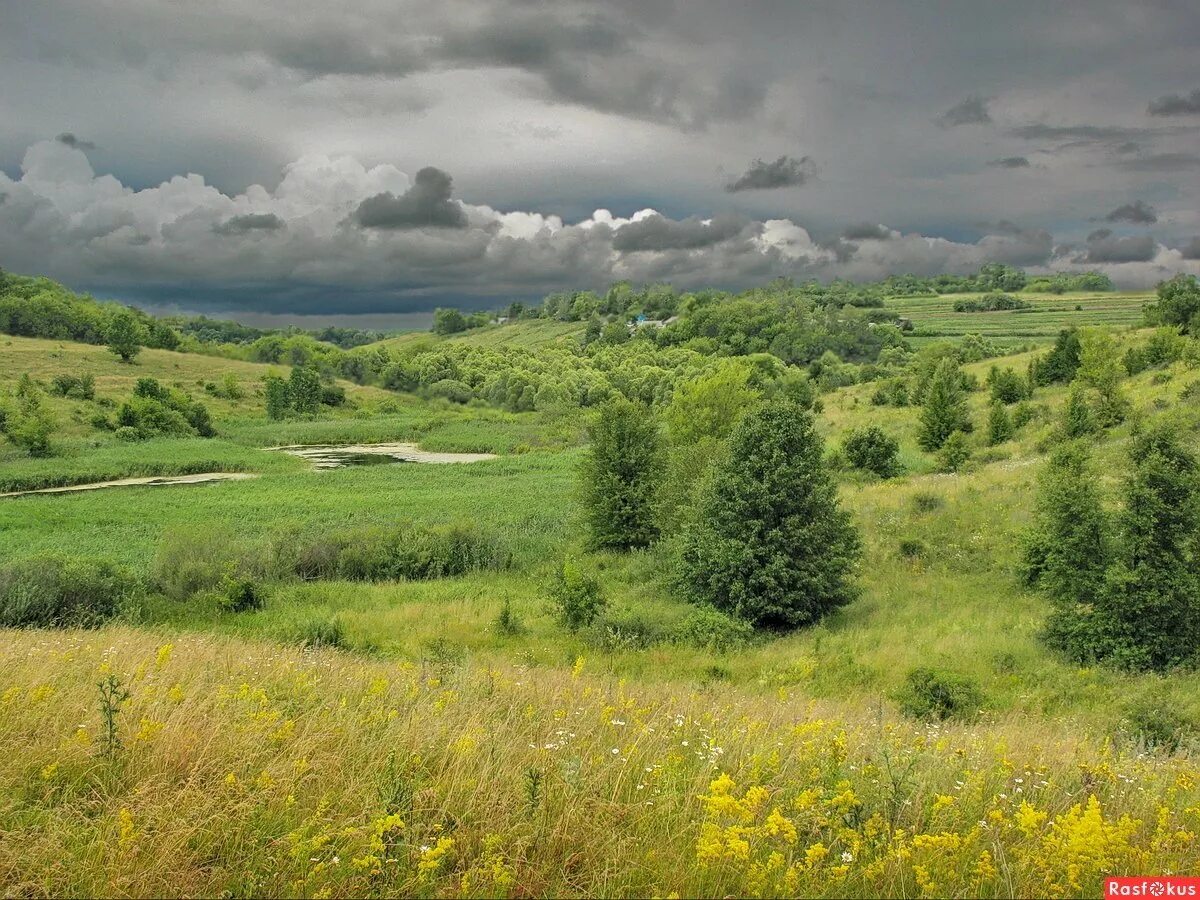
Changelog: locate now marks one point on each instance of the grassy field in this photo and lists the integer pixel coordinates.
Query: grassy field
(439, 754)
(934, 317)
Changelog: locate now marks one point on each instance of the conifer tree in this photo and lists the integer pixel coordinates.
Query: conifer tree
(945, 407)
(771, 545)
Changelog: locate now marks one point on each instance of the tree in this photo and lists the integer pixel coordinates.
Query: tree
(945, 407)
(1101, 368)
(1178, 303)
(1078, 420)
(1000, 425)
(954, 452)
(872, 449)
(448, 321)
(1006, 385)
(304, 390)
(771, 544)
(621, 473)
(1068, 549)
(125, 335)
(276, 390)
(30, 425)
(1149, 611)
(1062, 360)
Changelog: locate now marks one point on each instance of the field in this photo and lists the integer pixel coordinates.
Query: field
(934, 316)
(440, 753)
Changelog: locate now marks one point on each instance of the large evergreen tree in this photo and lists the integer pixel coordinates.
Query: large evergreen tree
(1068, 550)
(771, 544)
(622, 475)
(945, 408)
(1150, 609)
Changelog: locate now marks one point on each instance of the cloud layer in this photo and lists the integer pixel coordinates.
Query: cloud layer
(336, 236)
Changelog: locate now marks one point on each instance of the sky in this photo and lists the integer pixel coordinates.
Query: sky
(368, 161)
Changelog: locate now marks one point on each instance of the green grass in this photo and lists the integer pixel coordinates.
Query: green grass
(934, 317)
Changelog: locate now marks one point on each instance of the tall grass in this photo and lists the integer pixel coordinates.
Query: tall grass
(251, 769)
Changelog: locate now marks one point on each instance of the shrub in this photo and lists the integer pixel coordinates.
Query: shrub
(241, 594)
(911, 548)
(190, 560)
(1000, 426)
(77, 387)
(30, 424)
(713, 630)
(57, 591)
(1157, 725)
(405, 551)
(621, 474)
(771, 544)
(954, 453)
(576, 596)
(624, 631)
(875, 451)
(945, 408)
(507, 621)
(930, 693)
(1006, 385)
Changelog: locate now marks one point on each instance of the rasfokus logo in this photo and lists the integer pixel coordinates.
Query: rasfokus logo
(1153, 886)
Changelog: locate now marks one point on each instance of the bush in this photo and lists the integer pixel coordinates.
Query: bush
(622, 475)
(576, 596)
(955, 452)
(56, 591)
(875, 451)
(190, 560)
(924, 501)
(930, 693)
(624, 631)
(1157, 725)
(912, 549)
(82, 387)
(507, 621)
(241, 595)
(405, 551)
(710, 629)
(945, 407)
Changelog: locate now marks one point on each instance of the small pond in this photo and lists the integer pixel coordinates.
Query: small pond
(338, 456)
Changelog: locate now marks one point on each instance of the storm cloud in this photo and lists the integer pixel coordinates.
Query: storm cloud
(1010, 162)
(785, 172)
(971, 111)
(1139, 213)
(426, 204)
(1176, 105)
(1105, 247)
(244, 153)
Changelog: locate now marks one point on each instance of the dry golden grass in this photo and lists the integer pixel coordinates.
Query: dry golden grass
(254, 769)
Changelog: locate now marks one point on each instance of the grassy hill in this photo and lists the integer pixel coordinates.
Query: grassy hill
(934, 316)
(461, 742)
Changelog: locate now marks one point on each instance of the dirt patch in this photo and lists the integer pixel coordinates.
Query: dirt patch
(154, 481)
(337, 456)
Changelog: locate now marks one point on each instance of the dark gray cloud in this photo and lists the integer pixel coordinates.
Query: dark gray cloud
(249, 222)
(866, 231)
(971, 111)
(1105, 247)
(1176, 105)
(1010, 162)
(785, 172)
(71, 140)
(1040, 131)
(1127, 147)
(1161, 162)
(426, 204)
(657, 233)
(1191, 250)
(1138, 213)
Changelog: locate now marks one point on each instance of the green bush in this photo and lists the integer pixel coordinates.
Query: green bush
(58, 591)
(875, 451)
(624, 631)
(405, 551)
(1157, 725)
(954, 452)
(241, 594)
(713, 630)
(319, 632)
(930, 693)
(576, 596)
(190, 560)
